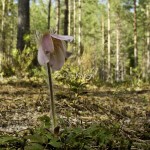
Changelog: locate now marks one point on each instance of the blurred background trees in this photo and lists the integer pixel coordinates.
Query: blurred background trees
(23, 24)
(111, 38)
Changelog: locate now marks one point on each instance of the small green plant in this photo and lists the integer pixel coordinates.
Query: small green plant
(95, 136)
(10, 142)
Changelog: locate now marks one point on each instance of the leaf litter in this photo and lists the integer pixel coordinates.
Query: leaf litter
(22, 105)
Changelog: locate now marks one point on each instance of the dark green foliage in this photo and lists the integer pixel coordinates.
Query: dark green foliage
(8, 141)
(96, 136)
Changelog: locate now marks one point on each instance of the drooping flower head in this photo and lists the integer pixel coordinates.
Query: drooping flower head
(52, 49)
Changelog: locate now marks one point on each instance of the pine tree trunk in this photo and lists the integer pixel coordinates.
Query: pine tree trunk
(148, 42)
(108, 67)
(4, 25)
(49, 14)
(69, 17)
(103, 47)
(123, 71)
(58, 17)
(23, 23)
(66, 18)
(79, 32)
(2, 35)
(144, 61)
(117, 52)
(74, 24)
(135, 37)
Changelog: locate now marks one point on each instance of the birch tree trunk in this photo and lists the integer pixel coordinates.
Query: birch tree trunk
(135, 37)
(108, 67)
(49, 14)
(58, 17)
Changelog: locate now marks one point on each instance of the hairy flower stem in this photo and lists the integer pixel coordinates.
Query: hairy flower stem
(52, 104)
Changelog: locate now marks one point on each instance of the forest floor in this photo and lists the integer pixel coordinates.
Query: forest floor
(22, 103)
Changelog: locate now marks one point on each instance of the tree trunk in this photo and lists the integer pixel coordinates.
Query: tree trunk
(135, 37)
(49, 14)
(66, 18)
(79, 32)
(2, 31)
(58, 17)
(3, 43)
(23, 24)
(123, 71)
(148, 42)
(69, 17)
(108, 67)
(74, 24)
(2, 25)
(103, 47)
(117, 51)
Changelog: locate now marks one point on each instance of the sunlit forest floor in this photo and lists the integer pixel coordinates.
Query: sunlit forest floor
(22, 103)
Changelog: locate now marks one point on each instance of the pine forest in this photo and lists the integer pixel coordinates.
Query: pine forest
(75, 74)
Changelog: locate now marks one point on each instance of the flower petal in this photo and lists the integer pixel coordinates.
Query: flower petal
(62, 37)
(42, 57)
(47, 43)
(60, 44)
(57, 59)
